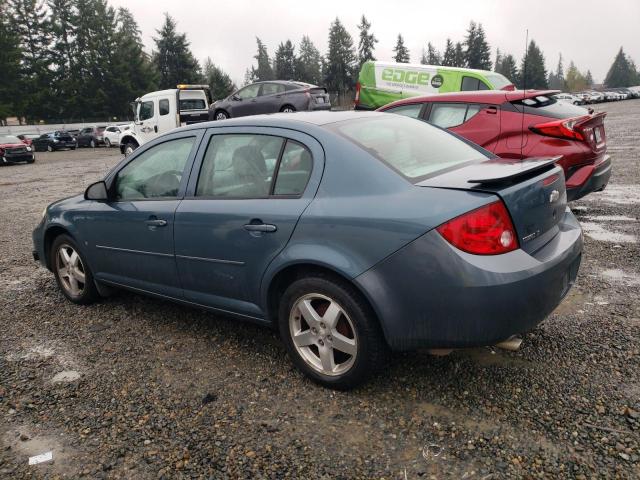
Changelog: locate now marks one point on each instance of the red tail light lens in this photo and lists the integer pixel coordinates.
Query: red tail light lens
(485, 231)
(357, 99)
(560, 129)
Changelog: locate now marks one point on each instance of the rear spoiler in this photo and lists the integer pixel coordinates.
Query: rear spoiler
(526, 167)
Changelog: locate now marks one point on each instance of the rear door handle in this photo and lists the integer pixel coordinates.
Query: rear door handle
(261, 227)
(156, 222)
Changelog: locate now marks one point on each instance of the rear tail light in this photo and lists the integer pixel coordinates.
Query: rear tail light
(487, 230)
(307, 93)
(357, 99)
(561, 128)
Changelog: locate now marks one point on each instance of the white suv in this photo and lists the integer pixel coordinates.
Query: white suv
(112, 134)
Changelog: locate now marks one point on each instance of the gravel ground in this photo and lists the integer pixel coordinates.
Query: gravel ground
(138, 388)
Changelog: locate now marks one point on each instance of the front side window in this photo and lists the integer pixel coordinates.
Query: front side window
(155, 173)
(163, 106)
(146, 111)
(248, 92)
(239, 166)
(412, 110)
(415, 150)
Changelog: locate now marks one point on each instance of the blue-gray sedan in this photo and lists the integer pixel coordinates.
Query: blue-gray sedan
(353, 233)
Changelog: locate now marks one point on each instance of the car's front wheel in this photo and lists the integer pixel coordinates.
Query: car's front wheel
(72, 273)
(50, 148)
(129, 148)
(107, 143)
(330, 332)
(92, 144)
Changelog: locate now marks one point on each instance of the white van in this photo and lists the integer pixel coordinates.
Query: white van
(158, 112)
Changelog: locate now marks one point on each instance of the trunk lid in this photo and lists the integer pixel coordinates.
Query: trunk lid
(533, 190)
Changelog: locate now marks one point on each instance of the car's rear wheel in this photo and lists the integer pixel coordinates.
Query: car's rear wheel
(330, 332)
(288, 109)
(50, 148)
(107, 143)
(221, 115)
(72, 272)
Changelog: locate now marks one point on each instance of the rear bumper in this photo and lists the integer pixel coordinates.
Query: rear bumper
(430, 294)
(319, 106)
(590, 178)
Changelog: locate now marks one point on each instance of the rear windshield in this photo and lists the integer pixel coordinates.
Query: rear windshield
(413, 148)
(498, 81)
(9, 139)
(549, 107)
(192, 104)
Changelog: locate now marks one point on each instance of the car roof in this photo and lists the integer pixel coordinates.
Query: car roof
(284, 82)
(495, 97)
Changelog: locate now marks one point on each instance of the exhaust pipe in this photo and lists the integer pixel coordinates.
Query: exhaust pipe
(512, 344)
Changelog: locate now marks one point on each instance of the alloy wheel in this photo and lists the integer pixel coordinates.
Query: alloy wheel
(49, 148)
(221, 116)
(288, 110)
(323, 334)
(70, 270)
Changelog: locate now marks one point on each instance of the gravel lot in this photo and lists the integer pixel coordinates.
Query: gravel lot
(138, 388)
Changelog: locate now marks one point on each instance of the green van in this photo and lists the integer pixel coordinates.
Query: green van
(380, 83)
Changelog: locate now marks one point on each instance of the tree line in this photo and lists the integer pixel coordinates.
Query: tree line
(81, 59)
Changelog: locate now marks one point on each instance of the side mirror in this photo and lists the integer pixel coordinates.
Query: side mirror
(235, 98)
(97, 191)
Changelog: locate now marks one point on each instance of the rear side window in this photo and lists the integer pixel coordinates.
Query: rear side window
(448, 115)
(192, 104)
(271, 88)
(549, 107)
(471, 84)
(163, 106)
(294, 171)
(412, 110)
(416, 150)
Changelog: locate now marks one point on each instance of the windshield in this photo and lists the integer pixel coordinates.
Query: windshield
(498, 81)
(413, 148)
(9, 139)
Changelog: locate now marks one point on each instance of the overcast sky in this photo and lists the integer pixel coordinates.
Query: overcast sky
(589, 32)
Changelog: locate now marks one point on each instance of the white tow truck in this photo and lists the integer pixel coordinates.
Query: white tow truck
(158, 112)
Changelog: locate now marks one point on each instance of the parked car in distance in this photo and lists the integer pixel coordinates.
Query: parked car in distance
(352, 232)
(569, 98)
(112, 134)
(517, 125)
(380, 83)
(271, 97)
(27, 138)
(14, 150)
(91, 137)
(52, 141)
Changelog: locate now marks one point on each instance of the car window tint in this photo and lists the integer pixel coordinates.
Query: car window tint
(239, 166)
(469, 84)
(271, 88)
(192, 104)
(294, 171)
(146, 110)
(472, 111)
(416, 150)
(548, 107)
(482, 85)
(447, 115)
(250, 91)
(412, 110)
(163, 106)
(155, 173)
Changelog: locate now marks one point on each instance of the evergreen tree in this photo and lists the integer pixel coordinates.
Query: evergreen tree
(284, 61)
(339, 71)
(62, 25)
(458, 56)
(589, 79)
(29, 22)
(575, 81)
(508, 68)
(173, 58)
(556, 79)
(401, 52)
(308, 62)
(498, 61)
(264, 71)
(367, 43)
(622, 72)
(448, 57)
(533, 72)
(433, 56)
(9, 65)
(477, 51)
(219, 82)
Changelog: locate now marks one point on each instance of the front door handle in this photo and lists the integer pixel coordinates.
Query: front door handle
(260, 227)
(156, 222)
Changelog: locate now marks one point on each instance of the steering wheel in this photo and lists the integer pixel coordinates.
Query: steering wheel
(163, 183)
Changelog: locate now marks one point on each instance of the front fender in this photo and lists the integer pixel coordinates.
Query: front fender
(127, 137)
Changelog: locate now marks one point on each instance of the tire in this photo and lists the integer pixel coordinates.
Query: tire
(355, 329)
(92, 143)
(72, 272)
(129, 148)
(50, 148)
(221, 115)
(288, 109)
(72, 148)
(107, 143)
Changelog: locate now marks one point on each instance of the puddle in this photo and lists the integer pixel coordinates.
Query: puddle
(66, 376)
(617, 194)
(610, 218)
(619, 276)
(602, 234)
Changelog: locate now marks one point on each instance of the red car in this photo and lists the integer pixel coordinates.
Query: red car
(521, 124)
(14, 150)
